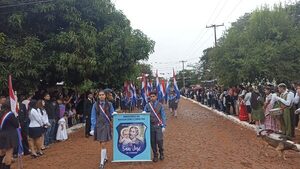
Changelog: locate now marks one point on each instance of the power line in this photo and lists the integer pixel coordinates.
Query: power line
(219, 12)
(224, 4)
(235, 7)
(203, 42)
(201, 35)
(215, 31)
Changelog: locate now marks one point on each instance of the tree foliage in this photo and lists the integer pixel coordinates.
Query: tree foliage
(82, 43)
(262, 45)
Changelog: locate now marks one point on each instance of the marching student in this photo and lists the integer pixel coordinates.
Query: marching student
(158, 125)
(173, 103)
(101, 124)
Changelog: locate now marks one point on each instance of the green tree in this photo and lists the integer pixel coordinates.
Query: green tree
(259, 46)
(83, 43)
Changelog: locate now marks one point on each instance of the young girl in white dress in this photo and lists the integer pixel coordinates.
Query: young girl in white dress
(61, 134)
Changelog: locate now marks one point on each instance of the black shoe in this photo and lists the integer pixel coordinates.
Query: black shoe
(34, 156)
(155, 159)
(40, 153)
(105, 161)
(161, 157)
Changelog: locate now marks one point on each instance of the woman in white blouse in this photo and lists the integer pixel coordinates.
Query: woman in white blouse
(41, 109)
(35, 130)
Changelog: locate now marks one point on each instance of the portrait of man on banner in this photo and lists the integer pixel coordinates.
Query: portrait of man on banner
(131, 140)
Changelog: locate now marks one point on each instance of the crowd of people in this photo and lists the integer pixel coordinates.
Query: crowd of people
(268, 107)
(45, 116)
(43, 119)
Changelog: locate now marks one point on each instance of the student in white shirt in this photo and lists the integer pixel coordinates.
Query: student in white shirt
(248, 103)
(41, 109)
(35, 130)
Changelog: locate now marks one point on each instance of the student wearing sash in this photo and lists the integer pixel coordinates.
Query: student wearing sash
(173, 103)
(158, 124)
(286, 101)
(8, 135)
(101, 123)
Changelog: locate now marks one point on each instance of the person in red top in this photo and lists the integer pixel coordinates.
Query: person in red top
(243, 114)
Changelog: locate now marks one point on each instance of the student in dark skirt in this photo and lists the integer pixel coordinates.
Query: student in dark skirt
(101, 124)
(35, 130)
(173, 103)
(8, 135)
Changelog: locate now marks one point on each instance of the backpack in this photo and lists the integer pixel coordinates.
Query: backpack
(254, 100)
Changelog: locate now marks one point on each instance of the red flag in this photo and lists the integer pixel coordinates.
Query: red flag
(13, 98)
(163, 86)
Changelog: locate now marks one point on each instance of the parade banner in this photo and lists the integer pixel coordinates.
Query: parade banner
(131, 137)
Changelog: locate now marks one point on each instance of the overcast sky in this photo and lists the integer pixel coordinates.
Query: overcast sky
(179, 26)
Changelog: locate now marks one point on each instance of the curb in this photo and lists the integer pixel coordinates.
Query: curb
(232, 118)
(75, 128)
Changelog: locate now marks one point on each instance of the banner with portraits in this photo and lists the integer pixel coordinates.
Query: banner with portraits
(131, 137)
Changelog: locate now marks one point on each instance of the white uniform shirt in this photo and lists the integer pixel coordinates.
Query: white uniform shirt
(290, 98)
(248, 98)
(35, 118)
(44, 117)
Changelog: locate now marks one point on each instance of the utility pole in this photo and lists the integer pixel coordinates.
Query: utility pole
(183, 81)
(215, 31)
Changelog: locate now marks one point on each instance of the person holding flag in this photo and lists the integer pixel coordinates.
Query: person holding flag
(9, 125)
(157, 125)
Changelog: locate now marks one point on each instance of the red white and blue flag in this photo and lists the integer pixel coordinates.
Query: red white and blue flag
(159, 88)
(163, 88)
(13, 98)
(175, 85)
(144, 90)
(14, 108)
(149, 87)
(132, 94)
(167, 90)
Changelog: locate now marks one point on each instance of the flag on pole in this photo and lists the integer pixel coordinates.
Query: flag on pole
(167, 90)
(149, 87)
(175, 85)
(144, 90)
(158, 88)
(12, 97)
(14, 108)
(133, 95)
(163, 88)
